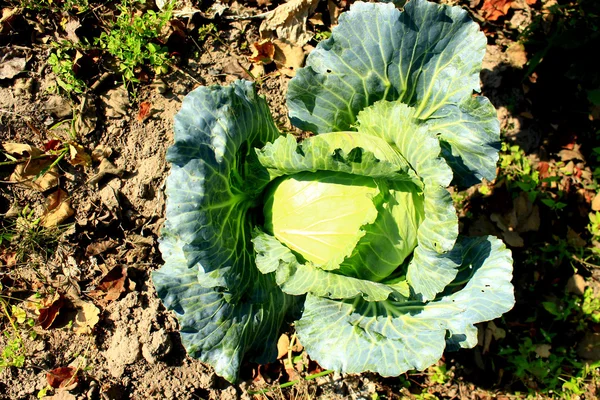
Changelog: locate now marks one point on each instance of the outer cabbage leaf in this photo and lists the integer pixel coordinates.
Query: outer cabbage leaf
(226, 308)
(298, 278)
(347, 152)
(431, 269)
(391, 337)
(428, 57)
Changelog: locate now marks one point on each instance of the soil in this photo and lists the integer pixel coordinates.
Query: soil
(134, 350)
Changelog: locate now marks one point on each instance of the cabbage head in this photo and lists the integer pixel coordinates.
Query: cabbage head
(351, 233)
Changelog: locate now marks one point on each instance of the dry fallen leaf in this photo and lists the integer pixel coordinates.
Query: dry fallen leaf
(87, 317)
(516, 55)
(283, 345)
(111, 285)
(288, 58)
(96, 248)
(7, 258)
(494, 9)
(50, 309)
(288, 22)
(144, 112)
(58, 209)
(29, 171)
(492, 332)
(262, 52)
(117, 102)
(21, 149)
(572, 153)
(62, 377)
(78, 155)
(70, 25)
(543, 350)
(86, 117)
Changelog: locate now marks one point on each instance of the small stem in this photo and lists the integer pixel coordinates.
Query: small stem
(292, 383)
(574, 257)
(24, 160)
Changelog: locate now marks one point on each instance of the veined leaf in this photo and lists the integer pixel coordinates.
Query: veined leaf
(226, 308)
(428, 57)
(389, 337)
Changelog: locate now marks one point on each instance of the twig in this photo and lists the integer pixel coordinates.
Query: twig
(24, 160)
(588, 264)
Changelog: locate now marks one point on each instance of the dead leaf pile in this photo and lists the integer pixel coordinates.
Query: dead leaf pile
(283, 35)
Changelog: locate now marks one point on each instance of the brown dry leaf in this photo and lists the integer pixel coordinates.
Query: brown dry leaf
(70, 25)
(78, 155)
(262, 52)
(543, 350)
(235, 68)
(62, 377)
(516, 55)
(50, 309)
(26, 173)
(21, 149)
(523, 217)
(144, 112)
(7, 258)
(105, 167)
(494, 9)
(112, 285)
(283, 345)
(86, 117)
(288, 22)
(8, 16)
(96, 248)
(596, 202)
(58, 209)
(492, 332)
(288, 58)
(571, 154)
(12, 63)
(87, 317)
(530, 2)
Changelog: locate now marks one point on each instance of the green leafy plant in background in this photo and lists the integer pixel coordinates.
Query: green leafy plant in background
(61, 61)
(134, 39)
(352, 232)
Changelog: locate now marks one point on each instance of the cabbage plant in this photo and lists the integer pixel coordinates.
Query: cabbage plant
(351, 233)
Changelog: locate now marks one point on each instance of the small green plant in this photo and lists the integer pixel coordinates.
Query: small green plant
(322, 35)
(62, 64)
(77, 6)
(133, 39)
(518, 170)
(14, 352)
(439, 374)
